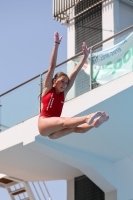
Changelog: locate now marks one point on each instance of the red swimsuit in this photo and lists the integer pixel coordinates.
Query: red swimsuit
(52, 104)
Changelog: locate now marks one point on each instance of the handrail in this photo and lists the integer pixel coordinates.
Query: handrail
(36, 190)
(42, 191)
(20, 85)
(94, 46)
(119, 33)
(47, 190)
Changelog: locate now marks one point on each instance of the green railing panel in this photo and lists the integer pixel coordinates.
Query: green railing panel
(113, 60)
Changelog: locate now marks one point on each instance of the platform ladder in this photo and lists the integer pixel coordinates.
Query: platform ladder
(21, 190)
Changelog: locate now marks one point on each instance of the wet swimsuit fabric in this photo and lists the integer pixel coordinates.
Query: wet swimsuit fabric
(52, 104)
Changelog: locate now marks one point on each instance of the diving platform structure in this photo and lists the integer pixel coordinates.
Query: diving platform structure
(104, 154)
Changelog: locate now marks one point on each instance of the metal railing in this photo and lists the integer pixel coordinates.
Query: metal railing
(40, 76)
(39, 191)
(72, 58)
(62, 9)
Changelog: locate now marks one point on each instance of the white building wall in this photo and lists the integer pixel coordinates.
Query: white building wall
(71, 40)
(125, 15)
(111, 195)
(116, 16)
(124, 179)
(108, 19)
(71, 52)
(70, 190)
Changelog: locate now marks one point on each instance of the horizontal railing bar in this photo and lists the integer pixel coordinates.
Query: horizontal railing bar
(94, 46)
(65, 61)
(4, 126)
(80, 53)
(19, 85)
(98, 44)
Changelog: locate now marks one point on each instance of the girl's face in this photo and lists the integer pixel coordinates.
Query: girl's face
(61, 83)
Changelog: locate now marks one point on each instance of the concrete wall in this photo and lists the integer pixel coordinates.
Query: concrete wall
(70, 190)
(111, 195)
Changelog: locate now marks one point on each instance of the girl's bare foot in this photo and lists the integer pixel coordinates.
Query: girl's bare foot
(90, 118)
(100, 120)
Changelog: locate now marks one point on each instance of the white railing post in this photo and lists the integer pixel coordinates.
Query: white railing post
(91, 71)
(40, 91)
(47, 191)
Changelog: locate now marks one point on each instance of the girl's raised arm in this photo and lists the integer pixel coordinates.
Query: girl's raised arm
(48, 80)
(73, 75)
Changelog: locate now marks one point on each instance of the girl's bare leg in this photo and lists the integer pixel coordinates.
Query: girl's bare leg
(83, 128)
(51, 125)
(65, 126)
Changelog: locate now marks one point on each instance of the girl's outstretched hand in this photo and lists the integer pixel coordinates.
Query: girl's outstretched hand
(85, 50)
(57, 39)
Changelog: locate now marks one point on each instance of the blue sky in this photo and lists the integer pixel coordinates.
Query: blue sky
(26, 41)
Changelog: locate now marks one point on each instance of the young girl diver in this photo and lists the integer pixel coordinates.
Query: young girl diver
(53, 96)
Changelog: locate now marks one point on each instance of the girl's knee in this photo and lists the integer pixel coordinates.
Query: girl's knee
(79, 130)
(53, 136)
(43, 134)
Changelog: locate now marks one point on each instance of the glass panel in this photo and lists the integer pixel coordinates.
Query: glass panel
(81, 83)
(113, 59)
(0, 116)
(110, 61)
(20, 104)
